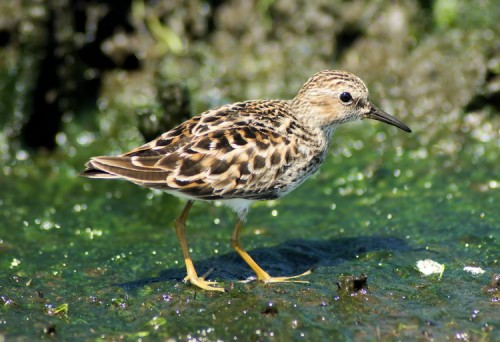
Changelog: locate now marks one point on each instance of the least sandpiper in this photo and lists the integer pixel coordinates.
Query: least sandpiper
(245, 152)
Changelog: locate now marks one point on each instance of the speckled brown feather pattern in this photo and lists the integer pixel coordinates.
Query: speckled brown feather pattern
(251, 150)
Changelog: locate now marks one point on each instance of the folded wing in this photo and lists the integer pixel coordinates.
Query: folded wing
(215, 156)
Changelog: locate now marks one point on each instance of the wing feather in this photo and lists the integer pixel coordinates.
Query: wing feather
(222, 153)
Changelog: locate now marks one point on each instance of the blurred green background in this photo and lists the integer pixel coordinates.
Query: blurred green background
(98, 260)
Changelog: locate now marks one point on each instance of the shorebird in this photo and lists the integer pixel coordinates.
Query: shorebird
(245, 152)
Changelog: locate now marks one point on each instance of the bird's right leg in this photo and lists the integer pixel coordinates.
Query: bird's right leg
(192, 276)
(261, 274)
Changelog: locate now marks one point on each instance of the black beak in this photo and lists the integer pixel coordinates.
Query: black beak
(380, 115)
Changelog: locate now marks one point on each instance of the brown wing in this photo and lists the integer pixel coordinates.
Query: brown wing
(230, 152)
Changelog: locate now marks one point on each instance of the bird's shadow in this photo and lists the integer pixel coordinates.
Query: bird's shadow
(288, 258)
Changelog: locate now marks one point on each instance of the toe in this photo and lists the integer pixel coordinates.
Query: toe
(203, 284)
(292, 279)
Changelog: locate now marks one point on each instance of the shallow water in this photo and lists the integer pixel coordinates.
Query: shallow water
(97, 259)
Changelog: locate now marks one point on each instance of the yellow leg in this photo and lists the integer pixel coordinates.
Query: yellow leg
(261, 274)
(192, 276)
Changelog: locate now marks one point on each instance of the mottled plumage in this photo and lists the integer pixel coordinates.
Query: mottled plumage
(246, 151)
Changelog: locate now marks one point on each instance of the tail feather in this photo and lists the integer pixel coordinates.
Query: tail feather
(91, 172)
(122, 167)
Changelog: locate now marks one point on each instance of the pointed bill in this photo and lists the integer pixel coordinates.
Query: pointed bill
(380, 115)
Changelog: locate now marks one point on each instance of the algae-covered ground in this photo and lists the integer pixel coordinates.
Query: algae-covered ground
(99, 259)
(84, 259)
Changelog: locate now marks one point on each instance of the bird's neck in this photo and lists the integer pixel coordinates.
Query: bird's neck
(328, 132)
(313, 115)
(327, 136)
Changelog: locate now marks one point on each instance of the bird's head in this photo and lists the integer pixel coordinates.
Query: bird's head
(332, 97)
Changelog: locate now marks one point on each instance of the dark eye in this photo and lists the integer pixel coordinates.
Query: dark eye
(345, 97)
